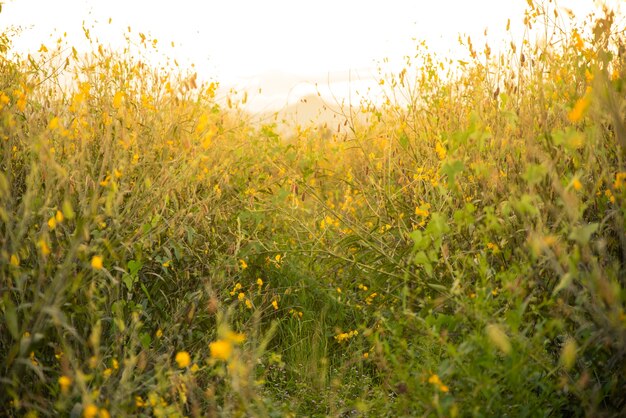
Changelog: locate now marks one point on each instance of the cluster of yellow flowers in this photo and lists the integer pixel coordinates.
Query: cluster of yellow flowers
(222, 349)
(441, 151)
(370, 298)
(493, 247)
(422, 210)
(345, 336)
(92, 411)
(329, 221)
(235, 289)
(620, 181)
(295, 313)
(581, 106)
(434, 380)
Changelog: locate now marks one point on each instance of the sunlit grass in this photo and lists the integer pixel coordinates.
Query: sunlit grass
(457, 251)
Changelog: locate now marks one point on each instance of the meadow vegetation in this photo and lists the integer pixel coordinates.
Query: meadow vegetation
(457, 250)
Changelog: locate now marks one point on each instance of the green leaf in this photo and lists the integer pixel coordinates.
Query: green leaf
(421, 258)
(571, 139)
(526, 205)
(10, 315)
(403, 140)
(145, 340)
(535, 173)
(465, 217)
(438, 225)
(583, 234)
(439, 287)
(67, 210)
(129, 280)
(419, 241)
(5, 189)
(451, 169)
(134, 266)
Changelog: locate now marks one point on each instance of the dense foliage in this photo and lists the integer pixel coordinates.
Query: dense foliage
(456, 251)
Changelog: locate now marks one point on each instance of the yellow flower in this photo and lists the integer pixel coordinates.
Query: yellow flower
(609, 194)
(15, 261)
(434, 379)
(243, 264)
(107, 372)
(577, 185)
(194, 368)
(59, 216)
(275, 305)
(4, 100)
(221, 349)
(370, 298)
(115, 364)
(441, 151)
(259, 282)
(578, 41)
(183, 359)
(620, 180)
(117, 100)
(43, 245)
(90, 411)
(579, 109)
(21, 101)
(54, 123)
(93, 362)
(235, 337)
(96, 262)
(52, 223)
(422, 210)
(104, 413)
(65, 382)
(345, 336)
(493, 247)
(296, 314)
(159, 333)
(241, 296)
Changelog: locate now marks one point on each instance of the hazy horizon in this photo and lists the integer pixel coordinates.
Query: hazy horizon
(283, 49)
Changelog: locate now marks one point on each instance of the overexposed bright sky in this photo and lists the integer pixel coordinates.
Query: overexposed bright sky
(281, 46)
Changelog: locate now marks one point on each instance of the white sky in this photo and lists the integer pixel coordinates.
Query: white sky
(274, 44)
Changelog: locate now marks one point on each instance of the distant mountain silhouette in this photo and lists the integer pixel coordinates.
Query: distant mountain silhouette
(312, 110)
